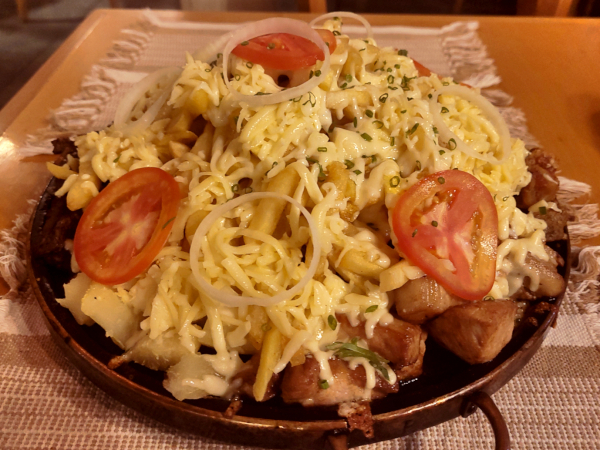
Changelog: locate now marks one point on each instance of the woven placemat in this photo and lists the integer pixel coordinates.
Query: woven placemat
(45, 403)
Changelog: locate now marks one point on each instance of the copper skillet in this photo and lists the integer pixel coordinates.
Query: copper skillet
(448, 388)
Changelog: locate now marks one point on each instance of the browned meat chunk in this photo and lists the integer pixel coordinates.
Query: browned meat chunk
(475, 331)
(415, 369)
(544, 182)
(422, 299)
(399, 342)
(556, 221)
(301, 384)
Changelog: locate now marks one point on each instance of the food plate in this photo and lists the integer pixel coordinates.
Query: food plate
(448, 387)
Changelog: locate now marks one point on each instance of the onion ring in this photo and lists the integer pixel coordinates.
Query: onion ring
(240, 300)
(347, 14)
(486, 108)
(268, 26)
(134, 94)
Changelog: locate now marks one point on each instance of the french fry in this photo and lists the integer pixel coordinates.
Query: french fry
(259, 322)
(78, 196)
(60, 172)
(337, 173)
(356, 261)
(269, 210)
(269, 356)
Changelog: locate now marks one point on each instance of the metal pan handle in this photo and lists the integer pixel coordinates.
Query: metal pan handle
(491, 411)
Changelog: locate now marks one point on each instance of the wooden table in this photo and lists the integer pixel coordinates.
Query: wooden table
(550, 66)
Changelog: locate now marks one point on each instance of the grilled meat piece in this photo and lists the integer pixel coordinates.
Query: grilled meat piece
(399, 342)
(422, 299)
(544, 182)
(415, 369)
(475, 331)
(301, 384)
(556, 221)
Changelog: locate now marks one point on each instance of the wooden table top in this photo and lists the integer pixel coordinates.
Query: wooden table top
(549, 65)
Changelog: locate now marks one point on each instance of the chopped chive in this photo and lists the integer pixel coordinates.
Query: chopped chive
(395, 181)
(393, 140)
(390, 79)
(403, 52)
(429, 95)
(244, 43)
(355, 122)
(441, 180)
(336, 33)
(318, 73)
(414, 233)
(249, 65)
(373, 159)
(397, 66)
(235, 188)
(371, 308)
(445, 110)
(322, 149)
(378, 124)
(403, 111)
(332, 322)
(116, 159)
(366, 137)
(418, 163)
(168, 222)
(369, 113)
(435, 130)
(434, 223)
(445, 83)
(442, 152)
(413, 129)
(323, 384)
(543, 210)
(349, 164)
(389, 69)
(383, 98)
(348, 77)
(357, 172)
(451, 144)
(311, 160)
(393, 88)
(265, 327)
(237, 77)
(505, 198)
(310, 75)
(248, 189)
(488, 298)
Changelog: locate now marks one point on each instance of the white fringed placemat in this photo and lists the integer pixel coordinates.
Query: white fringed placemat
(45, 403)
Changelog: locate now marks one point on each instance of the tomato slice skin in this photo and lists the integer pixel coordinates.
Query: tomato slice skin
(283, 51)
(459, 223)
(126, 225)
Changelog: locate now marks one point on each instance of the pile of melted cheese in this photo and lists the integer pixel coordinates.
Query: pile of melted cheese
(371, 114)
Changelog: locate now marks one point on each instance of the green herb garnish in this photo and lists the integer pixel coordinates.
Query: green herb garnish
(352, 350)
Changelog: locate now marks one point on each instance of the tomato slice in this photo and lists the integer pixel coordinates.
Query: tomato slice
(450, 215)
(283, 51)
(126, 225)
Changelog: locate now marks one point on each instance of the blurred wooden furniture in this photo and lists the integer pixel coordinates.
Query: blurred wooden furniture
(313, 6)
(559, 8)
(22, 10)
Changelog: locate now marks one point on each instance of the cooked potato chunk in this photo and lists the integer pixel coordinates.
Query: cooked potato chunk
(475, 331)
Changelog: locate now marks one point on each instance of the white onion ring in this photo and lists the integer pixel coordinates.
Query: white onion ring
(486, 108)
(132, 96)
(268, 26)
(240, 300)
(347, 14)
(210, 51)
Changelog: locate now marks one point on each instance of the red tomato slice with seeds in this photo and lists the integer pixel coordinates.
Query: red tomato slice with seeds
(283, 51)
(126, 225)
(450, 216)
